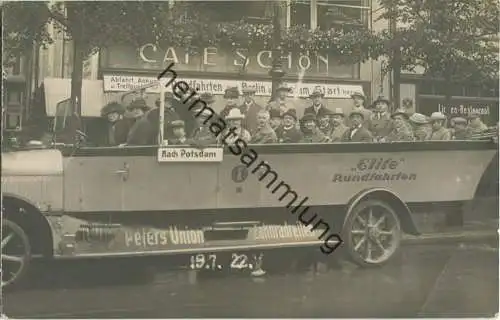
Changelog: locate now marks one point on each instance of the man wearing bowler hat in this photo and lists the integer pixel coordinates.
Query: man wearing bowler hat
(249, 109)
(357, 132)
(380, 124)
(288, 132)
(359, 101)
(317, 108)
(338, 123)
(231, 95)
(282, 101)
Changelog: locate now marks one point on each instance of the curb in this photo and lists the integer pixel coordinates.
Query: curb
(451, 237)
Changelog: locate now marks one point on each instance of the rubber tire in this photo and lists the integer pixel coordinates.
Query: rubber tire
(348, 223)
(26, 243)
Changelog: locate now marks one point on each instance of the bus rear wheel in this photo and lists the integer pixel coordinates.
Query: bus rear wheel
(372, 233)
(16, 253)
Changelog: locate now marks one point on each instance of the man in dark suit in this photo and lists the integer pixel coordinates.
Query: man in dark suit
(357, 132)
(249, 109)
(317, 108)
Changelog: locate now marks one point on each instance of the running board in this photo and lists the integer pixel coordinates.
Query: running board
(211, 249)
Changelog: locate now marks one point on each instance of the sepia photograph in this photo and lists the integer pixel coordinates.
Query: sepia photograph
(250, 159)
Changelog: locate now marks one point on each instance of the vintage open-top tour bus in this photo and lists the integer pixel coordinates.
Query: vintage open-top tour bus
(217, 211)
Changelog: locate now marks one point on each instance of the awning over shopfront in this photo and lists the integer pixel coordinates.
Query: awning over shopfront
(58, 90)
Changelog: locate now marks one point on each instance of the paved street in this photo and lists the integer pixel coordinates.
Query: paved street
(458, 279)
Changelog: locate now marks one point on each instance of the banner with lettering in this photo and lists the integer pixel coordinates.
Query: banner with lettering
(122, 83)
(461, 108)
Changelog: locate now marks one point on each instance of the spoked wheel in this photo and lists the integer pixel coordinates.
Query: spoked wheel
(372, 233)
(16, 253)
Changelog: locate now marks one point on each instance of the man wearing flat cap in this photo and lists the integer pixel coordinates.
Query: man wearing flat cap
(317, 108)
(439, 132)
(179, 134)
(460, 131)
(357, 132)
(476, 126)
(338, 123)
(401, 130)
(202, 135)
(118, 127)
(421, 129)
(359, 101)
(310, 131)
(249, 109)
(288, 132)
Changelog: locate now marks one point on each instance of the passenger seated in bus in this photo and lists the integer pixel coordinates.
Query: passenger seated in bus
(476, 126)
(380, 124)
(179, 134)
(460, 131)
(117, 127)
(282, 102)
(202, 136)
(357, 132)
(420, 125)
(310, 130)
(234, 124)
(249, 109)
(275, 119)
(401, 130)
(231, 95)
(325, 123)
(288, 131)
(318, 108)
(359, 102)
(264, 133)
(338, 124)
(140, 131)
(439, 132)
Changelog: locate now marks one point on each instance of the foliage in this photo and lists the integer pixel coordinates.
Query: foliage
(451, 39)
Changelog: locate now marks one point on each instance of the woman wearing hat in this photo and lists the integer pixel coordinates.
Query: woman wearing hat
(357, 132)
(288, 131)
(310, 130)
(140, 132)
(234, 129)
(420, 125)
(439, 132)
(317, 108)
(401, 131)
(117, 126)
(338, 123)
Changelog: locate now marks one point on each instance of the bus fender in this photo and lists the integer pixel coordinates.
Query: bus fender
(391, 198)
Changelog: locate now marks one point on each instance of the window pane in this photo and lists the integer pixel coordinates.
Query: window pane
(225, 11)
(332, 13)
(300, 14)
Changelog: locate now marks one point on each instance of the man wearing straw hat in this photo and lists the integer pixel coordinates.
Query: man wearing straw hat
(234, 130)
(338, 123)
(249, 109)
(439, 132)
(317, 108)
(420, 124)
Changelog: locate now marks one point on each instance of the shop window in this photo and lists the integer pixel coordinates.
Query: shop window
(336, 13)
(12, 121)
(226, 11)
(300, 13)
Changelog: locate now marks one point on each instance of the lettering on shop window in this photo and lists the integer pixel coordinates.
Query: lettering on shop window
(376, 169)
